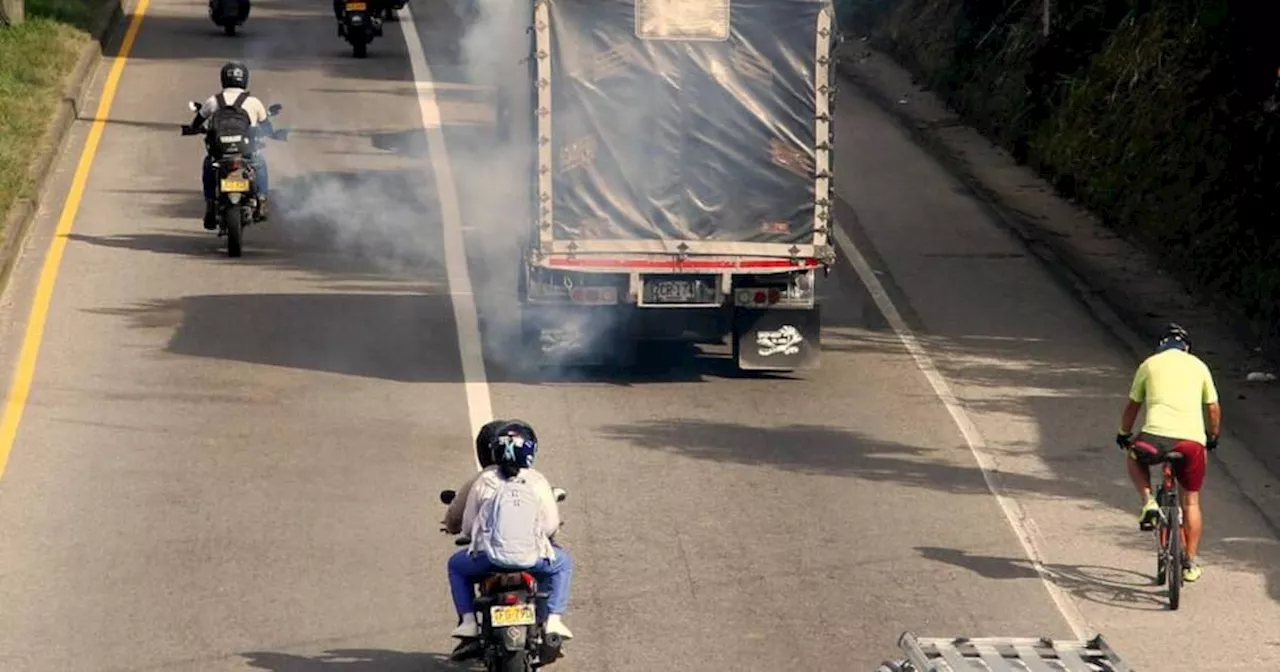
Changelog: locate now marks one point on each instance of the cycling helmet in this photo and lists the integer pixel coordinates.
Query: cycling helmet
(1174, 337)
(514, 447)
(484, 453)
(235, 75)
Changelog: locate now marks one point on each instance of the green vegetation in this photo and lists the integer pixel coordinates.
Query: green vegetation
(1158, 115)
(35, 59)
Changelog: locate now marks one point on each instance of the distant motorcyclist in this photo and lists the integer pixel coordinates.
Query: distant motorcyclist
(233, 101)
(506, 536)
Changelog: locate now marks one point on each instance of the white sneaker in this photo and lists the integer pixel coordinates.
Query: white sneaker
(469, 628)
(556, 625)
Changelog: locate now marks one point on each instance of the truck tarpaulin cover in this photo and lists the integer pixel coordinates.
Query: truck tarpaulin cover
(667, 124)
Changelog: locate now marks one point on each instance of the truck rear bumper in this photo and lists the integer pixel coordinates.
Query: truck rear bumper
(781, 339)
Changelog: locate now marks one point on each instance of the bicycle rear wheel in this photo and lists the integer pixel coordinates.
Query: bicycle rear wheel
(1162, 541)
(1173, 558)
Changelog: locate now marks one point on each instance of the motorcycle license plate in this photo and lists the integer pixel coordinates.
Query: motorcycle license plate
(235, 186)
(521, 614)
(356, 6)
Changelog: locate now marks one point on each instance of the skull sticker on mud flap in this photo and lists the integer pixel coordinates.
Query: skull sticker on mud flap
(557, 341)
(785, 341)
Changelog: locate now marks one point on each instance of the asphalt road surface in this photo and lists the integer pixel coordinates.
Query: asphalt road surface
(233, 464)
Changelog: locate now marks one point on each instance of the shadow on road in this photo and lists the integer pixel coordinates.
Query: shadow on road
(1111, 586)
(826, 451)
(399, 337)
(351, 660)
(829, 451)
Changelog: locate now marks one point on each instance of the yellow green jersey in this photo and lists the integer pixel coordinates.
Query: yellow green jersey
(1175, 386)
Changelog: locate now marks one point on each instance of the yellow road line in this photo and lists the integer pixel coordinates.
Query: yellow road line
(25, 373)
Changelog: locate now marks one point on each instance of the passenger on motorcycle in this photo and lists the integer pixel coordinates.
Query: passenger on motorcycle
(484, 455)
(504, 530)
(235, 83)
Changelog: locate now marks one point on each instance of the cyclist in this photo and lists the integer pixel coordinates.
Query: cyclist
(1177, 388)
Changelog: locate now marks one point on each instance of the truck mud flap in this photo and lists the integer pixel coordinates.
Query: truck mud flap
(556, 336)
(777, 340)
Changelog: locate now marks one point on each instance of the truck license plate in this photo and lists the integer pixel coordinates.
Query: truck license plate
(672, 291)
(503, 617)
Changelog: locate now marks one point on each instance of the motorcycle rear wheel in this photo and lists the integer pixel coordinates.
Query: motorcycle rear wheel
(233, 220)
(515, 661)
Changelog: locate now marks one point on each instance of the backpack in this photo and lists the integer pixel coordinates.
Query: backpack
(512, 525)
(230, 128)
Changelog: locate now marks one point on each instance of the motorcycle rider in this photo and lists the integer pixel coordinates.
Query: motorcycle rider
(513, 449)
(235, 81)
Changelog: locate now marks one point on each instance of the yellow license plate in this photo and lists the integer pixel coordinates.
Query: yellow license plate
(235, 186)
(356, 6)
(503, 617)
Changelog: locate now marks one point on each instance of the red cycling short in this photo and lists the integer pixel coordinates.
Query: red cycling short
(1189, 470)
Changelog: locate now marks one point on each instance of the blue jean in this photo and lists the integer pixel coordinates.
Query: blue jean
(210, 178)
(554, 577)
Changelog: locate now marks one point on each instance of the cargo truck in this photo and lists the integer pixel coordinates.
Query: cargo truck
(681, 176)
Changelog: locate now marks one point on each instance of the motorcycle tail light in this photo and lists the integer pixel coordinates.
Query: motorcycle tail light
(510, 598)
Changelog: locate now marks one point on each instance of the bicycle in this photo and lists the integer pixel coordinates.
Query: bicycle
(1169, 520)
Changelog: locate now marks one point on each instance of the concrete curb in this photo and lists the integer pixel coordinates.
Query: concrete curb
(22, 215)
(1112, 303)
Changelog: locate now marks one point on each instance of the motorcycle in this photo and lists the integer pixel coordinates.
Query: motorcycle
(358, 25)
(511, 611)
(235, 190)
(229, 14)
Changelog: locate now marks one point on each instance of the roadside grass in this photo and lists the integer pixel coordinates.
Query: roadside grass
(35, 60)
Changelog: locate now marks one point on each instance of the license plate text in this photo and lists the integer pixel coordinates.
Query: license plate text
(521, 614)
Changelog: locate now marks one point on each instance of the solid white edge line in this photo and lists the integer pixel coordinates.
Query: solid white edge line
(1023, 526)
(465, 317)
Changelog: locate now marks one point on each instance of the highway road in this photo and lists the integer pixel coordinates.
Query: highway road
(233, 464)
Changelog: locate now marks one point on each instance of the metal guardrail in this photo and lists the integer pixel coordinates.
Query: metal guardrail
(1005, 654)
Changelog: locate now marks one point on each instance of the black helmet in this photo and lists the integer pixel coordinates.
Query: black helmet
(514, 447)
(484, 441)
(521, 425)
(1174, 337)
(235, 75)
